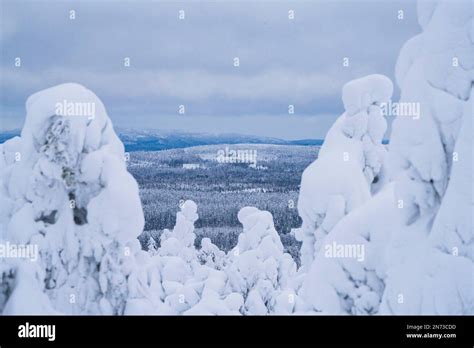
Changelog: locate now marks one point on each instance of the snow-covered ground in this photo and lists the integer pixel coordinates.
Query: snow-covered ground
(384, 231)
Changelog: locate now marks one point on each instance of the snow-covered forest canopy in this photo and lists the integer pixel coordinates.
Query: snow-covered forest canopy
(385, 229)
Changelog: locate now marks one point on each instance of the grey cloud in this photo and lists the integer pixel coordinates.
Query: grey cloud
(190, 61)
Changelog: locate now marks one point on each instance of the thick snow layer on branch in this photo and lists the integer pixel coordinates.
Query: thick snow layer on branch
(436, 70)
(453, 230)
(423, 280)
(348, 271)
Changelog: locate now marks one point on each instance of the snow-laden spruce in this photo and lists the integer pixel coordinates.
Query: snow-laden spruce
(349, 169)
(350, 165)
(259, 269)
(65, 188)
(416, 232)
(431, 257)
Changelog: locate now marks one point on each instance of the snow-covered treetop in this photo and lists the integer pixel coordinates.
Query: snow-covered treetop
(358, 95)
(90, 127)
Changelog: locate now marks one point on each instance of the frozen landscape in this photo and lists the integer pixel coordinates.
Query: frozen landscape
(169, 177)
(352, 227)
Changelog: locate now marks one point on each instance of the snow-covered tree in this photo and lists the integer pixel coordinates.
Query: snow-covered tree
(349, 170)
(151, 246)
(350, 166)
(69, 192)
(211, 255)
(258, 267)
(431, 258)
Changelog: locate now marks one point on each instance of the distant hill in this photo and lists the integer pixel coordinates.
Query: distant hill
(154, 140)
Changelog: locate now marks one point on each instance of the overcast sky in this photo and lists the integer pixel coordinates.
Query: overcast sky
(190, 62)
